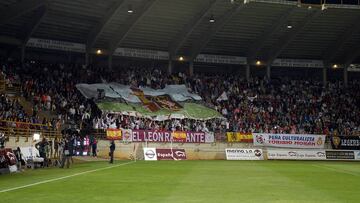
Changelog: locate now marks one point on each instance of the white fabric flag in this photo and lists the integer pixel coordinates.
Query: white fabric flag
(223, 97)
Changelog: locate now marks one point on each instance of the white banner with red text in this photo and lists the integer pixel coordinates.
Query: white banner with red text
(244, 154)
(296, 154)
(289, 140)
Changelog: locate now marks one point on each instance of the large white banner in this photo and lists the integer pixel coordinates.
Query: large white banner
(289, 140)
(244, 154)
(296, 154)
(115, 90)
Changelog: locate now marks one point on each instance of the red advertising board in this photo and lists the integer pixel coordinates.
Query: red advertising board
(153, 154)
(171, 154)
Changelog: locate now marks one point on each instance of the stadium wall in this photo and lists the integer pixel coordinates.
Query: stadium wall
(202, 151)
(211, 151)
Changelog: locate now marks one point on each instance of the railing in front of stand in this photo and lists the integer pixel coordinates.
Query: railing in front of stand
(23, 129)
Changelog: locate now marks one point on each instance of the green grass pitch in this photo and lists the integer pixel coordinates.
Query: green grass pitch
(188, 181)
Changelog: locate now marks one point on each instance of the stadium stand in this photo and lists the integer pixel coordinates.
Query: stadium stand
(105, 90)
(278, 106)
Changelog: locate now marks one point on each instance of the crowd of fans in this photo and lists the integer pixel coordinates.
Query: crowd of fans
(260, 105)
(11, 110)
(284, 106)
(116, 121)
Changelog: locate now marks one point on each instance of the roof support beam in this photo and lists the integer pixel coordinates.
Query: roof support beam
(10, 40)
(19, 9)
(126, 29)
(352, 56)
(187, 30)
(331, 52)
(99, 28)
(288, 37)
(34, 24)
(268, 33)
(213, 29)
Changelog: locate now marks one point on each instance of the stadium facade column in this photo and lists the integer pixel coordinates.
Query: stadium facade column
(346, 75)
(87, 58)
(268, 71)
(324, 74)
(248, 72)
(170, 66)
(110, 62)
(22, 54)
(191, 68)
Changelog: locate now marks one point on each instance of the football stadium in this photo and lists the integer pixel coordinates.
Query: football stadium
(179, 101)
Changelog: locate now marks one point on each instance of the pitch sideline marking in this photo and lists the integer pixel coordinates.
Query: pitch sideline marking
(64, 177)
(336, 170)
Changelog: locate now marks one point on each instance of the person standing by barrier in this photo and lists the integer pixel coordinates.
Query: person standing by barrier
(47, 153)
(67, 153)
(19, 157)
(94, 147)
(56, 148)
(41, 146)
(111, 153)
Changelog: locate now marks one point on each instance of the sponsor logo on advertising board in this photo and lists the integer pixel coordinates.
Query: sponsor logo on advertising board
(340, 155)
(357, 155)
(243, 154)
(171, 154)
(296, 154)
(153, 154)
(150, 154)
(345, 142)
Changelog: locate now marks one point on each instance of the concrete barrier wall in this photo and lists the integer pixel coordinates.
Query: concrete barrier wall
(193, 151)
(130, 150)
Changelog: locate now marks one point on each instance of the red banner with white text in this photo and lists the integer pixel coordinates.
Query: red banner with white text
(168, 136)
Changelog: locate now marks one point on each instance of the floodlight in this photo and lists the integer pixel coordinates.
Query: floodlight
(36, 136)
(130, 10)
(212, 19)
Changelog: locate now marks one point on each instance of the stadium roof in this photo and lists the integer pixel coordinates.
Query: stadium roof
(257, 29)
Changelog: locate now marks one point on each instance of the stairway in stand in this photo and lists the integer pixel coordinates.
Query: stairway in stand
(2, 83)
(27, 105)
